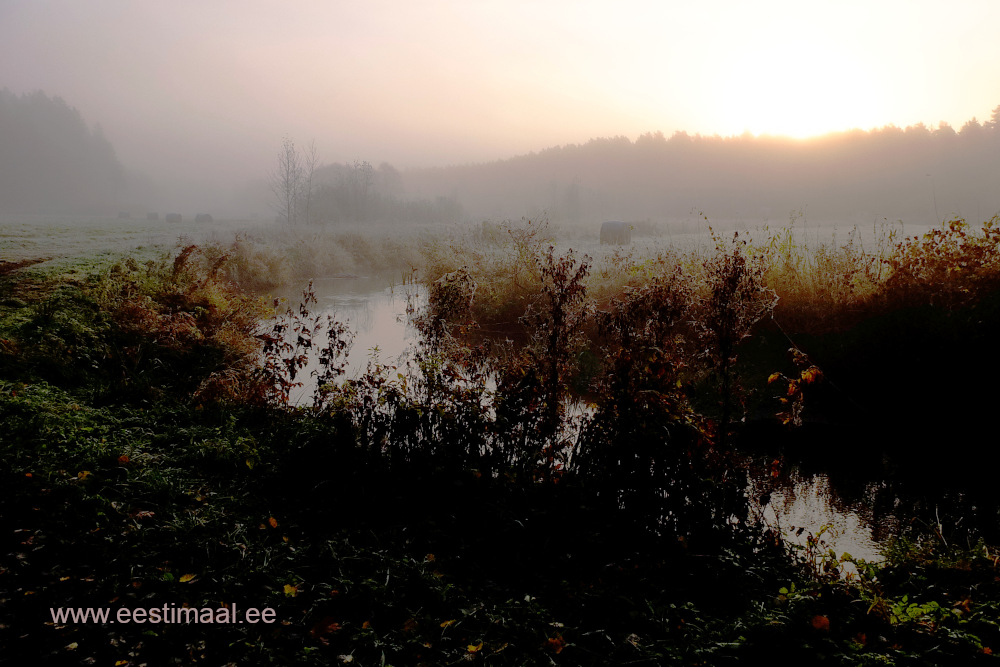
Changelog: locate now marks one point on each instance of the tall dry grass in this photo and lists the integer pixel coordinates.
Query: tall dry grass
(259, 262)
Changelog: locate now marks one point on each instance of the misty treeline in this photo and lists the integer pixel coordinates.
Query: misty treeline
(51, 160)
(916, 173)
(306, 192)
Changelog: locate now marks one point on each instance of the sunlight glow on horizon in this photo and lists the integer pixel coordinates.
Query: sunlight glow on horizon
(449, 82)
(799, 91)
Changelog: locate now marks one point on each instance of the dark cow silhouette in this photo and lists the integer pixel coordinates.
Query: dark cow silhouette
(616, 233)
(174, 217)
(203, 217)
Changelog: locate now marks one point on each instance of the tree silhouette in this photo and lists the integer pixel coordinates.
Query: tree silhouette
(50, 161)
(286, 182)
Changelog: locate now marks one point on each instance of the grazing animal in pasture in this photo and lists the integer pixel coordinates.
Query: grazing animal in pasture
(173, 217)
(616, 233)
(203, 217)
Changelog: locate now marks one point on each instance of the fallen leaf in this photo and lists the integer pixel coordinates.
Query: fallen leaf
(324, 627)
(186, 578)
(291, 591)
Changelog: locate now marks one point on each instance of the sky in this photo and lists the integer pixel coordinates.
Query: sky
(205, 90)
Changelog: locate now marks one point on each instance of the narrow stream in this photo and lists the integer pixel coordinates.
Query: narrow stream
(373, 311)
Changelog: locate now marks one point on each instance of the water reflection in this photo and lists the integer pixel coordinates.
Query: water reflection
(373, 311)
(800, 505)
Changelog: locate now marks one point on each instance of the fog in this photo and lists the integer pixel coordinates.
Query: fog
(574, 111)
(913, 174)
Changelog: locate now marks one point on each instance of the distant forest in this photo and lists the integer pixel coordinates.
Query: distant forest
(916, 174)
(51, 161)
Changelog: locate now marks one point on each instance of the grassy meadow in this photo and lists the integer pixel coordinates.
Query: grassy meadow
(558, 475)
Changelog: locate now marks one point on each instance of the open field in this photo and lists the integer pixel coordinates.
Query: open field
(64, 240)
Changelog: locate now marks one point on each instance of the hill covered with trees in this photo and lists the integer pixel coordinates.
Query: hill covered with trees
(916, 173)
(51, 161)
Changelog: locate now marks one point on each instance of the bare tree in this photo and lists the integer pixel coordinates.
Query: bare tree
(286, 181)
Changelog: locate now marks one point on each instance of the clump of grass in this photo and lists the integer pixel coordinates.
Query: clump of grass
(328, 252)
(823, 287)
(263, 261)
(247, 262)
(179, 312)
(136, 331)
(501, 260)
(622, 270)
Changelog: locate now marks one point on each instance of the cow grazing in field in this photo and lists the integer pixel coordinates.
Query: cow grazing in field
(203, 217)
(174, 217)
(616, 233)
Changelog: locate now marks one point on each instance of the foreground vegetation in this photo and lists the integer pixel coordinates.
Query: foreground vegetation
(452, 509)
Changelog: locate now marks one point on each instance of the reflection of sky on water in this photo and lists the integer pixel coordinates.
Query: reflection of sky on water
(810, 503)
(376, 314)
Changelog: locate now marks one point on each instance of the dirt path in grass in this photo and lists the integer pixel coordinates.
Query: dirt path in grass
(9, 267)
